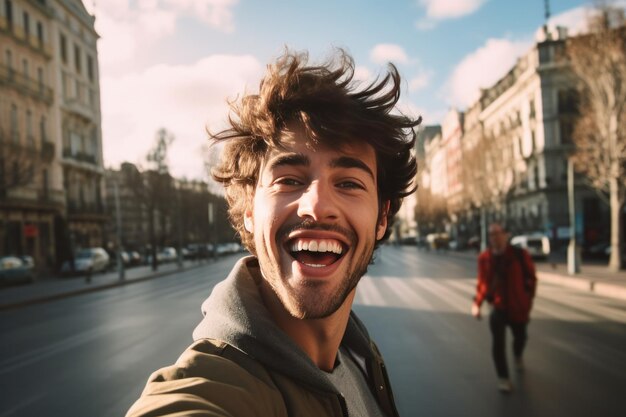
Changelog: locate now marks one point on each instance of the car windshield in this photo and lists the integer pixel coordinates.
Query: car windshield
(83, 254)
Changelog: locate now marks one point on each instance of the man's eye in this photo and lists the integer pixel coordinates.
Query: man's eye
(288, 181)
(350, 185)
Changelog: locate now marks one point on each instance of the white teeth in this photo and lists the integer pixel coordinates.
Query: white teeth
(317, 246)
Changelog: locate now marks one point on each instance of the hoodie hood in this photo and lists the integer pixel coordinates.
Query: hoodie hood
(235, 313)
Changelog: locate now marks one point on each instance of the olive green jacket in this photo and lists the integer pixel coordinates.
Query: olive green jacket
(242, 365)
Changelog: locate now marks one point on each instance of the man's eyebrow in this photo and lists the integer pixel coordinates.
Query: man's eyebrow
(350, 162)
(291, 159)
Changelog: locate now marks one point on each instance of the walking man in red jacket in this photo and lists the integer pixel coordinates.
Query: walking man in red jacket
(507, 280)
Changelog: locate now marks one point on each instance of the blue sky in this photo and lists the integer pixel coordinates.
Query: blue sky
(174, 63)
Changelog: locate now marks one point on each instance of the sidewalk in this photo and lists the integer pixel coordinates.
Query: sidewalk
(594, 278)
(52, 288)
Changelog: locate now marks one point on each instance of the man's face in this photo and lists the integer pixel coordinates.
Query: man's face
(498, 238)
(315, 219)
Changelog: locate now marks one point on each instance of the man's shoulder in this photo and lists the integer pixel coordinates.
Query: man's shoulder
(219, 360)
(484, 255)
(210, 376)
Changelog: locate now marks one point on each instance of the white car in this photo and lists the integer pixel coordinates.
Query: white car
(537, 245)
(87, 260)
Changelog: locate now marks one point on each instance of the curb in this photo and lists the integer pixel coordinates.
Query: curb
(72, 293)
(585, 284)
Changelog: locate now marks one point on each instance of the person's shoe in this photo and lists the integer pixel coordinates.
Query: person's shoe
(519, 364)
(504, 385)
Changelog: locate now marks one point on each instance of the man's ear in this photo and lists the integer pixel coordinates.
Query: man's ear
(247, 221)
(381, 228)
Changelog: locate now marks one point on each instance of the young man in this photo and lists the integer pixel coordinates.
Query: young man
(314, 169)
(506, 279)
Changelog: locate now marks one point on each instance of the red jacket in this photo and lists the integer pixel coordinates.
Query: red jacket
(515, 295)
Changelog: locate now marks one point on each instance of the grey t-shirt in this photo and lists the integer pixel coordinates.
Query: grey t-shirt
(351, 383)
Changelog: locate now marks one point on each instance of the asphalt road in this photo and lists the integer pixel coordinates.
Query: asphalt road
(90, 355)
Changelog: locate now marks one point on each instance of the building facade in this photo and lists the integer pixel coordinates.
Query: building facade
(505, 158)
(77, 112)
(40, 186)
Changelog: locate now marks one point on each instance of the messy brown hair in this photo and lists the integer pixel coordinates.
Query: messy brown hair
(332, 110)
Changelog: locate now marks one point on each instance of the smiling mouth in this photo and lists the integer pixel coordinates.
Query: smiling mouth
(316, 253)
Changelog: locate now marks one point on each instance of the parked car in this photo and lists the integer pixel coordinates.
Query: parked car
(89, 260)
(537, 245)
(134, 258)
(15, 270)
(168, 254)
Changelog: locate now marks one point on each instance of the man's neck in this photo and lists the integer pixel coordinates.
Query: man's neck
(318, 338)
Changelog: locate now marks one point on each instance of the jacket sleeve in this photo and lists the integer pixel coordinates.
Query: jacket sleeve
(206, 384)
(530, 267)
(482, 284)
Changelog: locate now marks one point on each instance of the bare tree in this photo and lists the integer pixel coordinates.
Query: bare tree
(17, 165)
(155, 188)
(431, 212)
(598, 61)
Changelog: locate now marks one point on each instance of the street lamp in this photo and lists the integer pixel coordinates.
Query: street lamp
(118, 215)
(573, 256)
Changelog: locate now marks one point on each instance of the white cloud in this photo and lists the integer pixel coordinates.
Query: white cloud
(481, 69)
(437, 10)
(182, 99)
(387, 52)
(449, 9)
(216, 13)
(126, 27)
(420, 81)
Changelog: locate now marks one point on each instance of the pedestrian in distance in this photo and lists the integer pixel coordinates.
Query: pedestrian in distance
(507, 281)
(315, 167)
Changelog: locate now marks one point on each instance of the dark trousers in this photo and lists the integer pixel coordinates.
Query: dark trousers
(498, 323)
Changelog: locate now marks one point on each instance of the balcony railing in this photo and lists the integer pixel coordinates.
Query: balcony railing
(25, 85)
(17, 33)
(86, 209)
(80, 156)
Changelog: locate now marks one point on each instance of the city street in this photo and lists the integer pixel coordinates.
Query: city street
(90, 355)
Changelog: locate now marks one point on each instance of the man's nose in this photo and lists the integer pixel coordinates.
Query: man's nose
(318, 202)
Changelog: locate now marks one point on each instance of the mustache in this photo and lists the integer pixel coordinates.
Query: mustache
(308, 224)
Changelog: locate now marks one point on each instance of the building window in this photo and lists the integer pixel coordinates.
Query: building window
(40, 34)
(30, 138)
(566, 128)
(14, 128)
(42, 130)
(40, 79)
(77, 58)
(45, 183)
(8, 12)
(27, 27)
(64, 85)
(90, 67)
(79, 91)
(16, 172)
(25, 66)
(63, 44)
(2, 177)
(8, 57)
